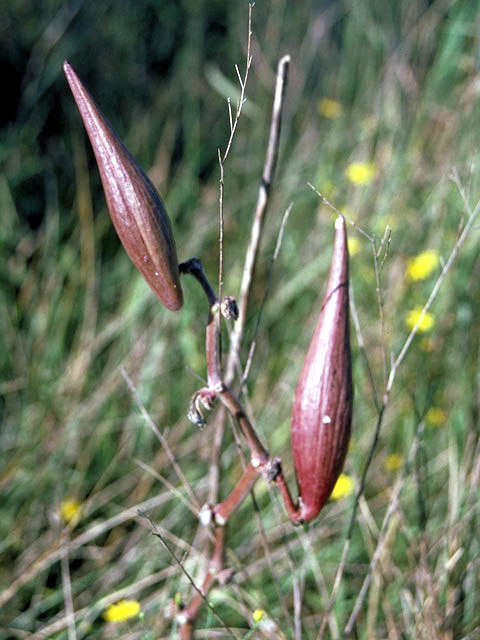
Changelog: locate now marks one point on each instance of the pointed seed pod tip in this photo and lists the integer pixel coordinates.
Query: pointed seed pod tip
(322, 407)
(135, 207)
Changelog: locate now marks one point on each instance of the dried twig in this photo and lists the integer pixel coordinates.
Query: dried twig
(184, 618)
(392, 508)
(62, 544)
(161, 439)
(67, 596)
(259, 217)
(253, 343)
(249, 265)
(233, 127)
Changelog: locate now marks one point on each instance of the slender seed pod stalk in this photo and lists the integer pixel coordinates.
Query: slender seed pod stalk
(322, 408)
(136, 209)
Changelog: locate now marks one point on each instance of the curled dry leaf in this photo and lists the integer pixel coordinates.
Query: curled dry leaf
(136, 209)
(322, 408)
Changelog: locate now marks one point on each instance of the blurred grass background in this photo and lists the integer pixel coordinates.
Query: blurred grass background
(405, 80)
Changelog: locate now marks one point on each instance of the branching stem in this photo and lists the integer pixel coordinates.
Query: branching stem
(260, 462)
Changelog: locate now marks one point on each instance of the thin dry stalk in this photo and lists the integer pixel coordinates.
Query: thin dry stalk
(63, 544)
(233, 128)
(168, 485)
(243, 85)
(253, 343)
(271, 565)
(259, 217)
(472, 216)
(307, 544)
(362, 349)
(92, 611)
(297, 589)
(187, 616)
(250, 262)
(161, 439)
(67, 597)
(378, 291)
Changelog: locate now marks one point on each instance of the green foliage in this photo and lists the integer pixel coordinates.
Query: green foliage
(74, 312)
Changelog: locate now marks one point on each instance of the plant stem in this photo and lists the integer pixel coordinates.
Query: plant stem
(215, 382)
(264, 192)
(260, 462)
(223, 511)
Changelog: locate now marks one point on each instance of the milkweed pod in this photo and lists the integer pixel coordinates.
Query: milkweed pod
(135, 207)
(322, 407)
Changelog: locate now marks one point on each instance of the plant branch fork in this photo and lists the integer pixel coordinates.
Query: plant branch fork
(260, 462)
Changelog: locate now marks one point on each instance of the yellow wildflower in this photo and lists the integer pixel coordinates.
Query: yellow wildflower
(70, 509)
(393, 462)
(121, 611)
(421, 266)
(258, 615)
(436, 416)
(353, 245)
(343, 487)
(427, 323)
(361, 173)
(329, 108)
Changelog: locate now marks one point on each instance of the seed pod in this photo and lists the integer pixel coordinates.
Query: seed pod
(135, 207)
(322, 407)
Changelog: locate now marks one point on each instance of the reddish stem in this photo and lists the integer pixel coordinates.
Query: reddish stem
(260, 459)
(258, 452)
(260, 463)
(215, 572)
(224, 510)
(215, 382)
(294, 509)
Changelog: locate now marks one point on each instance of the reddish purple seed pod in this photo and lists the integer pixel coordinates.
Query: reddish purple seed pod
(136, 209)
(322, 407)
